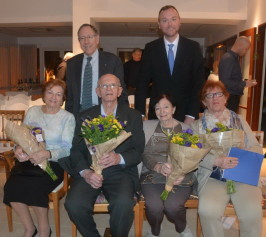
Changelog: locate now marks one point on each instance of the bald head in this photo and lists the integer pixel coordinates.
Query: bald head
(241, 45)
(109, 77)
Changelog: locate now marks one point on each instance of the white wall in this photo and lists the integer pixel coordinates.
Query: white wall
(34, 11)
(91, 11)
(256, 15)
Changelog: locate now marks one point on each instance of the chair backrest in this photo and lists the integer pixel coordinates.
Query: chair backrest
(15, 116)
(260, 136)
(36, 102)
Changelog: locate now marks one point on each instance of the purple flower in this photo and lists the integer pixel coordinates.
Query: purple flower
(122, 124)
(101, 128)
(188, 144)
(84, 121)
(189, 131)
(103, 116)
(199, 145)
(215, 130)
(93, 149)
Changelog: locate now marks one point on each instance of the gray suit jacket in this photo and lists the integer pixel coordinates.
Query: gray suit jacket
(108, 63)
(131, 149)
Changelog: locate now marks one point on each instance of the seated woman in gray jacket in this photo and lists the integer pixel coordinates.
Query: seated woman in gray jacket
(155, 169)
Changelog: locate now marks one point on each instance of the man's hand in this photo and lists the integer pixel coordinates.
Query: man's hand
(250, 83)
(109, 159)
(95, 180)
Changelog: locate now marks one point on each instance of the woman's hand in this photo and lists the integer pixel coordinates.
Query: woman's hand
(179, 180)
(163, 168)
(39, 156)
(20, 154)
(226, 162)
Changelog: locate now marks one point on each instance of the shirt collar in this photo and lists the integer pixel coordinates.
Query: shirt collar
(175, 42)
(103, 113)
(94, 56)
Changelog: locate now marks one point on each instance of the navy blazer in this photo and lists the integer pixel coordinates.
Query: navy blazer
(108, 63)
(183, 85)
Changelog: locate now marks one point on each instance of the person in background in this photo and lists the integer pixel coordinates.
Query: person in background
(84, 70)
(61, 68)
(212, 191)
(174, 66)
(230, 72)
(21, 191)
(131, 71)
(214, 73)
(119, 180)
(155, 169)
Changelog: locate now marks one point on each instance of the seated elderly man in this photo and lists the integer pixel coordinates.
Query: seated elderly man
(119, 180)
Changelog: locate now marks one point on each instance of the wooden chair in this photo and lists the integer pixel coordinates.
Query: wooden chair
(103, 208)
(57, 194)
(260, 136)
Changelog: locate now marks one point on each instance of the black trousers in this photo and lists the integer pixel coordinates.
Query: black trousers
(173, 207)
(119, 191)
(233, 102)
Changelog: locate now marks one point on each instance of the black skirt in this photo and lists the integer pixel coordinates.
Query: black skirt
(32, 190)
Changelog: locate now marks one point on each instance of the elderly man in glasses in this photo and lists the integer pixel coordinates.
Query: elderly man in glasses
(119, 180)
(84, 70)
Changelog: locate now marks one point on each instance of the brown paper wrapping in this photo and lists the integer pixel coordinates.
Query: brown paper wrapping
(21, 135)
(184, 160)
(105, 147)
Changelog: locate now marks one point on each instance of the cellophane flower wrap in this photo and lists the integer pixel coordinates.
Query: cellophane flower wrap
(25, 137)
(102, 135)
(185, 153)
(221, 139)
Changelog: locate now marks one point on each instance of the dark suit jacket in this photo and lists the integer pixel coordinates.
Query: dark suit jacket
(131, 149)
(108, 63)
(183, 85)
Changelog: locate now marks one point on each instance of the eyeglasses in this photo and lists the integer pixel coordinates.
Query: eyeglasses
(211, 95)
(89, 37)
(111, 86)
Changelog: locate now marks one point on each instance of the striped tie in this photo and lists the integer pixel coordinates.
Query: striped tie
(87, 86)
(171, 57)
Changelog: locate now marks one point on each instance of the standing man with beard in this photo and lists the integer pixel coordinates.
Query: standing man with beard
(174, 65)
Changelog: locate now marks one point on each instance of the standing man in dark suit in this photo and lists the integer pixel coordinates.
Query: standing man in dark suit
(182, 78)
(119, 180)
(100, 63)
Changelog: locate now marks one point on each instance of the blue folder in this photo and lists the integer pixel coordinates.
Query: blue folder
(248, 169)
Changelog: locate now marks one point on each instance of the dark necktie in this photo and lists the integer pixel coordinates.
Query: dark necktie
(87, 86)
(171, 58)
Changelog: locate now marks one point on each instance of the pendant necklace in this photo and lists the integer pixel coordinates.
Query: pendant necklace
(168, 131)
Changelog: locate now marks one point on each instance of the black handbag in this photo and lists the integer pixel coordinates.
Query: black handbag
(27, 169)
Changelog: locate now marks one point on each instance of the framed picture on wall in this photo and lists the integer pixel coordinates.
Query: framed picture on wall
(124, 54)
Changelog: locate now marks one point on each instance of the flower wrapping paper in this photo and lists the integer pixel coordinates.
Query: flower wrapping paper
(98, 150)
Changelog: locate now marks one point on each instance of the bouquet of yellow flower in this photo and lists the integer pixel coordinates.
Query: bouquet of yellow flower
(102, 135)
(27, 138)
(185, 153)
(221, 139)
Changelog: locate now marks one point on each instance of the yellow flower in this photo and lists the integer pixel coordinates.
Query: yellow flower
(194, 146)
